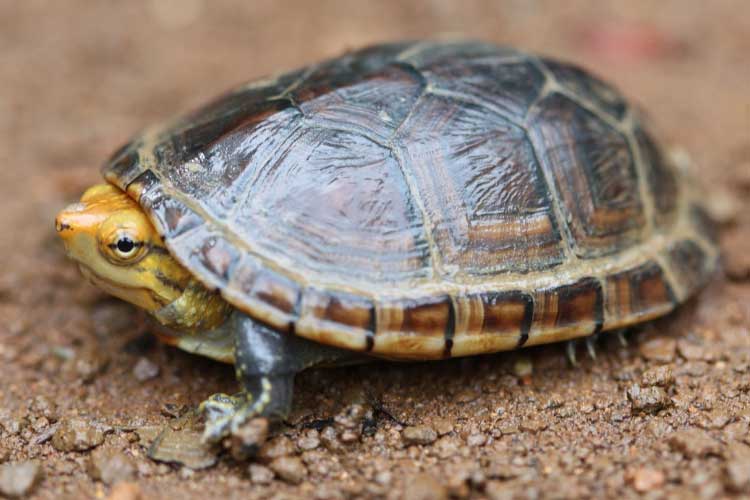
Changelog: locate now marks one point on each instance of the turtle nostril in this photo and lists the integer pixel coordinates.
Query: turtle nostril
(62, 225)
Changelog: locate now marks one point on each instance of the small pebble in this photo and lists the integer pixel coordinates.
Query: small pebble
(349, 436)
(694, 443)
(737, 467)
(45, 407)
(248, 439)
(352, 416)
(443, 426)
(125, 491)
(260, 474)
(713, 420)
(186, 473)
(648, 399)
(19, 479)
(419, 434)
(145, 370)
(523, 367)
(466, 396)
(384, 478)
(77, 434)
(280, 446)
(13, 424)
(309, 441)
(172, 410)
(290, 469)
(533, 425)
(736, 258)
(646, 479)
(737, 431)
(90, 363)
(692, 351)
(475, 440)
(424, 487)
(330, 439)
(661, 376)
(659, 349)
(110, 467)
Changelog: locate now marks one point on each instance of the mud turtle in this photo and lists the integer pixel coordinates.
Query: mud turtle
(408, 201)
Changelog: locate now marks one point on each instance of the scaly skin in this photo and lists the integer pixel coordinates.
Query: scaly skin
(146, 275)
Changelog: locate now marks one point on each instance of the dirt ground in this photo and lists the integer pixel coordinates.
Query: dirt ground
(84, 388)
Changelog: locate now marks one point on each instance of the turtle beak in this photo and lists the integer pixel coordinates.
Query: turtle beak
(65, 220)
(76, 226)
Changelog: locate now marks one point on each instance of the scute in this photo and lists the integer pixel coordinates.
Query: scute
(588, 87)
(594, 173)
(423, 200)
(482, 189)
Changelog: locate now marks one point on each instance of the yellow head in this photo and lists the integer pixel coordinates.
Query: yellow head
(118, 250)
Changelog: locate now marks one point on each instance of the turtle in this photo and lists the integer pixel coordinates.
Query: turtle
(407, 201)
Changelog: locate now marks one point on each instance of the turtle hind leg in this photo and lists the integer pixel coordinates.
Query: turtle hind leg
(266, 362)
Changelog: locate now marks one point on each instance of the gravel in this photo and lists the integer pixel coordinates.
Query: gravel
(694, 443)
(659, 349)
(77, 434)
(145, 369)
(18, 479)
(111, 466)
(248, 439)
(280, 446)
(648, 399)
(260, 474)
(290, 469)
(419, 434)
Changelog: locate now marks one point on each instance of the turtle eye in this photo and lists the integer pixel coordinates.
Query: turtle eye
(125, 249)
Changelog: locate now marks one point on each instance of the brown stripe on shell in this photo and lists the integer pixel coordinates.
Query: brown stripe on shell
(273, 289)
(491, 321)
(337, 318)
(413, 328)
(508, 313)
(567, 311)
(642, 292)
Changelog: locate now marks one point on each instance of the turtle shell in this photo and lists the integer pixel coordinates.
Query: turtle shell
(423, 200)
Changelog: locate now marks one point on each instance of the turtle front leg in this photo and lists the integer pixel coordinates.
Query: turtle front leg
(266, 362)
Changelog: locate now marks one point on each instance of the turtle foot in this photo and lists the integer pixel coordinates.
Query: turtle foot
(225, 414)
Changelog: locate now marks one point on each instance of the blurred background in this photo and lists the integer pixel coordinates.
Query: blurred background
(79, 77)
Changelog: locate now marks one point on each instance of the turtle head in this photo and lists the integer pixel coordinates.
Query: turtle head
(118, 250)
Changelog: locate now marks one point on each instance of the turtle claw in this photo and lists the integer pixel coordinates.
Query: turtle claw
(621, 337)
(571, 345)
(218, 410)
(570, 352)
(225, 414)
(591, 345)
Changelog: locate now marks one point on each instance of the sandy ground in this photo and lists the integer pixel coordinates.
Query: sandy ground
(667, 416)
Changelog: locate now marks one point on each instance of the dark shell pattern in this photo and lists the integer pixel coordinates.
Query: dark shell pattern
(425, 200)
